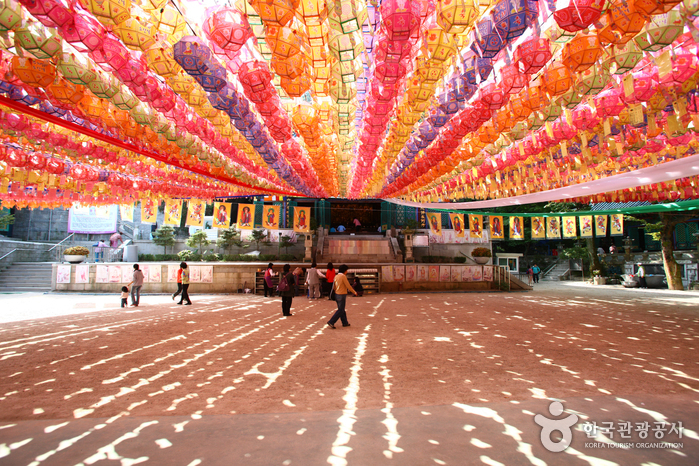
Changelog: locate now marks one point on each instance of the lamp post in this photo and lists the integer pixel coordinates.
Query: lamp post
(279, 253)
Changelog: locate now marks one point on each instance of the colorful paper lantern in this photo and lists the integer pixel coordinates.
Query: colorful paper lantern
(660, 32)
(531, 55)
(283, 42)
(11, 16)
(228, 28)
(457, 16)
(84, 33)
(487, 41)
(557, 79)
(347, 16)
(77, 69)
(35, 73)
(161, 60)
(52, 13)
(578, 14)
(66, 92)
(41, 42)
(400, 18)
(110, 12)
(274, 12)
(192, 54)
(593, 80)
(136, 33)
(581, 52)
(626, 57)
(346, 47)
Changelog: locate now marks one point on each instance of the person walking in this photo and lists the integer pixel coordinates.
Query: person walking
(535, 273)
(99, 250)
(357, 224)
(137, 283)
(313, 281)
(179, 281)
(269, 274)
(185, 285)
(329, 279)
(530, 272)
(341, 286)
(115, 240)
(642, 277)
(287, 288)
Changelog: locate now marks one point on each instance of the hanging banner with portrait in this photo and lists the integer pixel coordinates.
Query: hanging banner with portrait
(246, 216)
(270, 217)
(616, 228)
(475, 226)
(553, 228)
(457, 222)
(497, 231)
(302, 219)
(570, 227)
(173, 212)
(222, 215)
(195, 213)
(435, 221)
(516, 227)
(538, 228)
(600, 225)
(126, 211)
(586, 226)
(149, 211)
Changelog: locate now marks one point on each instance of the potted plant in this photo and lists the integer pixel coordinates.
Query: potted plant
(597, 277)
(481, 255)
(76, 254)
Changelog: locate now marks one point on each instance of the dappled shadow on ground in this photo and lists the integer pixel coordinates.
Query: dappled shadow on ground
(416, 379)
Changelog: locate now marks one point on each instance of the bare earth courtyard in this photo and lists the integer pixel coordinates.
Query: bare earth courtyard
(417, 379)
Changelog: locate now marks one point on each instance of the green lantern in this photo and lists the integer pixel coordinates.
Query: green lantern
(346, 47)
(10, 15)
(38, 40)
(660, 32)
(125, 100)
(77, 69)
(347, 15)
(626, 57)
(592, 80)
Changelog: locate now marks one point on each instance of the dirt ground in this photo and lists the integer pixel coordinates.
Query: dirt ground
(88, 382)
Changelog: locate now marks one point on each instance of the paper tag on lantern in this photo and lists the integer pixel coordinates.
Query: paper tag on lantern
(607, 128)
(569, 116)
(664, 64)
(583, 139)
(636, 114)
(619, 147)
(564, 149)
(549, 129)
(680, 107)
(673, 124)
(652, 127)
(654, 159)
(520, 145)
(628, 85)
(4, 185)
(32, 177)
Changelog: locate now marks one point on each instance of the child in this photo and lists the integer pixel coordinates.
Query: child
(124, 296)
(357, 285)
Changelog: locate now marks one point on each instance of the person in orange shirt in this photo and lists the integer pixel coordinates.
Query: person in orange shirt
(341, 286)
(179, 282)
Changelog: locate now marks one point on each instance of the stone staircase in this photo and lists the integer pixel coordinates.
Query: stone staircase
(554, 274)
(357, 249)
(26, 277)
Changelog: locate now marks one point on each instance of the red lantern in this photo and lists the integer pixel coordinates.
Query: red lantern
(494, 96)
(531, 55)
(579, 14)
(400, 18)
(511, 80)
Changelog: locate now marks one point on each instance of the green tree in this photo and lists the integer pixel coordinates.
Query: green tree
(164, 236)
(286, 242)
(6, 220)
(258, 236)
(198, 240)
(228, 238)
(661, 227)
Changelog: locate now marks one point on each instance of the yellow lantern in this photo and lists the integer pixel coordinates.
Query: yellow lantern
(181, 82)
(110, 12)
(457, 16)
(347, 71)
(313, 12)
(124, 99)
(347, 16)
(440, 45)
(342, 93)
(161, 60)
(168, 21)
(346, 46)
(136, 34)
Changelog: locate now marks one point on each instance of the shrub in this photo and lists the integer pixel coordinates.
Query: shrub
(188, 255)
(481, 252)
(146, 257)
(211, 257)
(460, 260)
(287, 257)
(166, 258)
(268, 257)
(77, 251)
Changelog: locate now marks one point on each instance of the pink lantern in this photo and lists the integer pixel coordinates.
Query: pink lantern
(51, 13)
(400, 18)
(256, 80)
(112, 55)
(609, 103)
(228, 28)
(494, 96)
(389, 73)
(511, 80)
(645, 84)
(85, 33)
(579, 14)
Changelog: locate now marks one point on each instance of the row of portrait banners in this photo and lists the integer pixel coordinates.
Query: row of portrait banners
(222, 214)
(436, 273)
(124, 273)
(541, 227)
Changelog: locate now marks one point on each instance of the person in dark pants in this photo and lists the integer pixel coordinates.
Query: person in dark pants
(137, 283)
(341, 286)
(269, 274)
(357, 285)
(535, 272)
(185, 285)
(179, 282)
(288, 294)
(329, 278)
(642, 277)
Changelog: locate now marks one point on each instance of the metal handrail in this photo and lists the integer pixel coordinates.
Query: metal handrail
(60, 242)
(547, 271)
(16, 249)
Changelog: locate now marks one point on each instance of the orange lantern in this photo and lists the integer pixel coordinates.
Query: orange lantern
(274, 12)
(67, 92)
(581, 53)
(627, 18)
(557, 79)
(296, 87)
(36, 73)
